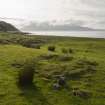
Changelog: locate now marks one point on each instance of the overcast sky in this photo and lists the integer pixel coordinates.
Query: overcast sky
(89, 13)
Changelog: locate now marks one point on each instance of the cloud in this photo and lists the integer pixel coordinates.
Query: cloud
(94, 3)
(73, 25)
(77, 12)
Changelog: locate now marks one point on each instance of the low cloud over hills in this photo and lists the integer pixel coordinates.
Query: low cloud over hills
(47, 26)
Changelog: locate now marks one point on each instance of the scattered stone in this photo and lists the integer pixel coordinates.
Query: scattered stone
(62, 81)
(75, 91)
(81, 93)
(84, 94)
(56, 86)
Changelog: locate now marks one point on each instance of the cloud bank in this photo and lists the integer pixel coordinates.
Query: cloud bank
(87, 13)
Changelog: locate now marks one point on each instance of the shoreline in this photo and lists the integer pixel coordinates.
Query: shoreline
(76, 34)
(73, 36)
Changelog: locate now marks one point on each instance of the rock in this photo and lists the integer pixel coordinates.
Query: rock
(75, 91)
(56, 86)
(84, 94)
(62, 81)
(81, 93)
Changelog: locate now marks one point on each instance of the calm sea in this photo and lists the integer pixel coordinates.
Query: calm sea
(91, 34)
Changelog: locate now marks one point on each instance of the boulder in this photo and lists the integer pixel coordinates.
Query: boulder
(56, 86)
(62, 81)
(81, 93)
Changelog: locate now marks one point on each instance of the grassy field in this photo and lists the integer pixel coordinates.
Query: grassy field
(80, 60)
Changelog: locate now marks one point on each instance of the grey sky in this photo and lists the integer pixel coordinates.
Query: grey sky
(89, 13)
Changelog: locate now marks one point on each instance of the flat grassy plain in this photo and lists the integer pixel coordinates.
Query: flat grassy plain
(15, 48)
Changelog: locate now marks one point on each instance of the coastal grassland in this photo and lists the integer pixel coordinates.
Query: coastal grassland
(14, 49)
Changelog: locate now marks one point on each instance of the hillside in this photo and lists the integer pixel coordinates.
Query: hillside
(80, 60)
(7, 27)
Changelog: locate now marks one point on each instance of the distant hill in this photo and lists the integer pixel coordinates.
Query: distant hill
(51, 27)
(7, 27)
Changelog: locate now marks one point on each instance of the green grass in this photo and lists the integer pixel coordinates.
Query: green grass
(42, 93)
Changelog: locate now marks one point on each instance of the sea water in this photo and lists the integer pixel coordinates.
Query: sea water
(90, 34)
